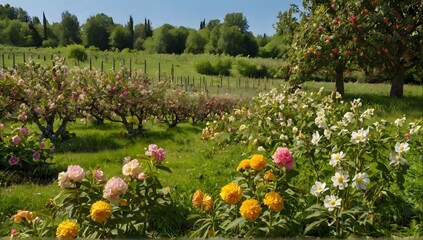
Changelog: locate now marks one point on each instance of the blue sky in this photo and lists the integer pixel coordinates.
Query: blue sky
(261, 14)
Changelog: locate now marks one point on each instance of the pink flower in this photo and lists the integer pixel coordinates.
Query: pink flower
(159, 155)
(1, 126)
(115, 188)
(283, 157)
(64, 181)
(42, 145)
(13, 160)
(99, 175)
(22, 117)
(408, 135)
(16, 139)
(151, 148)
(142, 176)
(36, 155)
(13, 232)
(75, 173)
(24, 131)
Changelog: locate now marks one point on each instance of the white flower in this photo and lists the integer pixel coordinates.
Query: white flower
(231, 119)
(360, 181)
(316, 138)
(64, 181)
(340, 180)
(294, 129)
(261, 149)
(368, 113)
(132, 168)
(331, 202)
(327, 133)
(399, 122)
(359, 136)
(336, 158)
(320, 121)
(242, 127)
(318, 188)
(396, 159)
(348, 116)
(414, 128)
(401, 147)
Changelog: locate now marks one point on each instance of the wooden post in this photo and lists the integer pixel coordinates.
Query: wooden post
(23, 56)
(13, 61)
(113, 64)
(101, 66)
(2, 60)
(130, 67)
(38, 56)
(145, 66)
(172, 72)
(239, 82)
(159, 72)
(186, 84)
(221, 81)
(228, 82)
(91, 64)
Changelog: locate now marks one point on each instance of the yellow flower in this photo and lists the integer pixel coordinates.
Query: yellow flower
(244, 164)
(202, 201)
(23, 215)
(250, 209)
(257, 162)
(231, 193)
(100, 211)
(274, 201)
(123, 202)
(67, 229)
(269, 176)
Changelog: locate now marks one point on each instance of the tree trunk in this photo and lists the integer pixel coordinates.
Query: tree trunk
(397, 85)
(339, 79)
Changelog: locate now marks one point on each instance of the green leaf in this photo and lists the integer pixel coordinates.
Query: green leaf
(313, 225)
(164, 168)
(235, 223)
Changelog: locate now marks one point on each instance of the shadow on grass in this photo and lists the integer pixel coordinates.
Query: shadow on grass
(98, 138)
(385, 106)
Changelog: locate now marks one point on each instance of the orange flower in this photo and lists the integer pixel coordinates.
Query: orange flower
(23, 215)
(244, 164)
(67, 229)
(257, 162)
(269, 176)
(274, 201)
(100, 211)
(202, 201)
(250, 209)
(231, 193)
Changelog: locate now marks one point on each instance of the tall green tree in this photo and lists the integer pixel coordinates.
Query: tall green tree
(45, 26)
(97, 30)
(195, 43)
(238, 20)
(120, 38)
(130, 27)
(70, 33)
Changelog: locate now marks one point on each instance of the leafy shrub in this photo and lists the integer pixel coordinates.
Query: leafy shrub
(77, 52)
(221, 67)
(248, 69)
(50, 42)
(205, 67)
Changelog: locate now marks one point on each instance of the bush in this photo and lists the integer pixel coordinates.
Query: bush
(50, 42)
(205, 67)
(76, 51)
(221, 67)
(248, 69)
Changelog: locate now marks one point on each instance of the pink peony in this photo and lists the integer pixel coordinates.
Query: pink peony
(16, 139)
(99, 175)
(132, 168)
(36, 155)
(14, 160)
(142, 176)
(159, 155)
(115, 188)
(283, 158)
(24, 131)
(64, 181)
(75, 173)
(151, 149)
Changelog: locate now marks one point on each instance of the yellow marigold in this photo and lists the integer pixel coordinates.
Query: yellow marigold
(244, 164)
(250, 209)
(67, 229)
(274, 201)
(100, 211)
(257, 162)
(269, 176)
(231, 193)
(207, 203)
(23, 215)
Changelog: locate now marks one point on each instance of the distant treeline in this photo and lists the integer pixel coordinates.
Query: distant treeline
(231, 37)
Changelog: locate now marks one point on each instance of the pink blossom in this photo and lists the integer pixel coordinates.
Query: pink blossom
(1, 126)
(151, 148)
(21, 82)
(115, 188)
(64, 181)
(24, 131)
(13, 160)
(36, 155)
(283, 157)
(74, 96)
(159, 155)
(42, 145)
(75, 173)
(22, 117)
(16, 139)
(13, 232)
(99, 175)
(142, 176)
(408, 135)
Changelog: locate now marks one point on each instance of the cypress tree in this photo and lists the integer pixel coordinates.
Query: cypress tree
(131, 31)
(45, 26)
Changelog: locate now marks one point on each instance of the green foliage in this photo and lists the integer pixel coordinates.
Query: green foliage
(220, 67)
(77, 52)
(248, 69)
